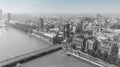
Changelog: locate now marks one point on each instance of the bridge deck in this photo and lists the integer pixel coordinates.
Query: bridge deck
(29, 56)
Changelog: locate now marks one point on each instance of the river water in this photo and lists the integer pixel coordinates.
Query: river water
(14, 43)
(58, 59)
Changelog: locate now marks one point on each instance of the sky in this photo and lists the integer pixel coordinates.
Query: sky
(60, 6)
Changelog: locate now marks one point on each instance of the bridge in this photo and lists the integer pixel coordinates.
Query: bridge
(30, 56)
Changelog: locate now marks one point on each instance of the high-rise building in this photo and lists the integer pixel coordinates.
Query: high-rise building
(67, 30)
(9, 16)
(0, 14)
(41, 24)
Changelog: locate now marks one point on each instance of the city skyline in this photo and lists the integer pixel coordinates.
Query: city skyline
(60, 6)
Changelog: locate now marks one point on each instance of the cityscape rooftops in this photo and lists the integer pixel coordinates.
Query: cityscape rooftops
(50, 34)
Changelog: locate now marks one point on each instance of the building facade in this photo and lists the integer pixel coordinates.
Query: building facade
(1, 15)
(41, 24)
(9, 16)
(78, 42)
(90, 43)
(106, 46)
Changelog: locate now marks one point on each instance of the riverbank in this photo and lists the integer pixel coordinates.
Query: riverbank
(31, 29)
(33, 33)
(40, 35)
(89, 59)
(86, 59)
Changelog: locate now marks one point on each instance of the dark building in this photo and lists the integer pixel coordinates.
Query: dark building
(9, 16)
(67, 30)
(41, 24)
(0, 14)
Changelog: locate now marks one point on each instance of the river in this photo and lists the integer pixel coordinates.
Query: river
(14, 43)
(58, 59)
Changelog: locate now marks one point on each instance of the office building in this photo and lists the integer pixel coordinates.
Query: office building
(9, 16)
(0, 14)
(41, 24)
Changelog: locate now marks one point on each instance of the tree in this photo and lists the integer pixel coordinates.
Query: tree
(82, 48)
(91, 52)
(73, 46)
(84, 44)
(72, 33)
(112, 59)
(105, 56)
(114, 50)
(114, 54)
(98, 53)
(118, 62)
(95, 45)
(54, 40)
